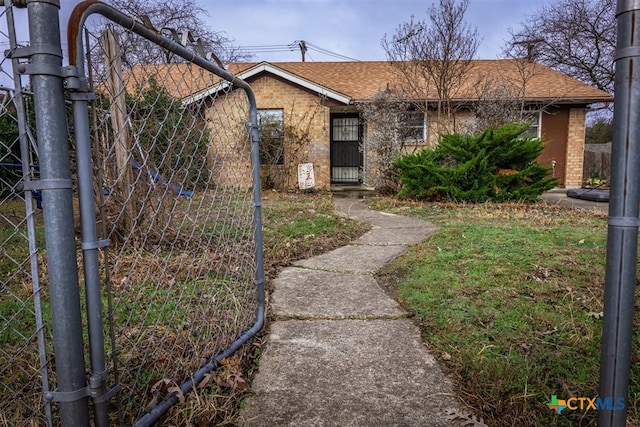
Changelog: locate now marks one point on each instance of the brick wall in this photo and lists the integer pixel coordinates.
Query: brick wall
(229, 153)
(575, 148)
(304, 113)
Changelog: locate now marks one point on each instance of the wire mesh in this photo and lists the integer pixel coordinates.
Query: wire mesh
(173, 184)
(172, 161)
(25, 370)
(21, 367)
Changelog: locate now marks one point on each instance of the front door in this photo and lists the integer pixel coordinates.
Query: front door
(346, 156)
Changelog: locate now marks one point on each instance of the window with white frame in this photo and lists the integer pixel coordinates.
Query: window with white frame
(534, 118)
(271, 122)
(415, 126)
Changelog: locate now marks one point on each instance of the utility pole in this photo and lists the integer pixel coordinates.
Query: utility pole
(303, 48)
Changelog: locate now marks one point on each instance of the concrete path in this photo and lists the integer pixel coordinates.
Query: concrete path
(558, 196)
(340, 351)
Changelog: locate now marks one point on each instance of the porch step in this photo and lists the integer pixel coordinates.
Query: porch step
(352, 191)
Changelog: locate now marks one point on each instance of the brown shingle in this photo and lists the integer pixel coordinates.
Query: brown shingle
(361, 80)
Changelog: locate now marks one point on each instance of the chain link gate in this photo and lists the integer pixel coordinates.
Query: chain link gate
(165, 210)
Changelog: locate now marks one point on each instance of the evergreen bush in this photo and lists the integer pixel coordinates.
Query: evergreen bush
(496, 165)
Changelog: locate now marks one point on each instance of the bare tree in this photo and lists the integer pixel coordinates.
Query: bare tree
(389, 120)
(181, 19)
(434, 55)
(499, 102)
(576, 37)
(502, 96)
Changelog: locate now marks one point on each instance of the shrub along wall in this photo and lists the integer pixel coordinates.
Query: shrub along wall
(496, 165)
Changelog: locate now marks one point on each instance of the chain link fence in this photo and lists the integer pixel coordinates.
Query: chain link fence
(171, 221)
(24, 352)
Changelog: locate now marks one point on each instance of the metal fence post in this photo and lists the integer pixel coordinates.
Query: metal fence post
(623, 222)
(31, 224)
(45, 68)
(80, 95)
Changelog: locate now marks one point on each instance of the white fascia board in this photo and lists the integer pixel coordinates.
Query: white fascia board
(277, 72)
(203, 94)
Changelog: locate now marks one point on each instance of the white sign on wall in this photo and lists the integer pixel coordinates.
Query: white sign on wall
(306, 179)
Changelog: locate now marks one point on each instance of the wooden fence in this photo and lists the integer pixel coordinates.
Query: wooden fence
(597, 161)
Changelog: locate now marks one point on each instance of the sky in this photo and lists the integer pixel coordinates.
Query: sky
(352, 28)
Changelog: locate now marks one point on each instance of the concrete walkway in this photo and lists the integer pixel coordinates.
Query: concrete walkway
(340, 351)
(558, 196)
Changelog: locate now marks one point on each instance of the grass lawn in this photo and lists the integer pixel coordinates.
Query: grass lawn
(509, 298)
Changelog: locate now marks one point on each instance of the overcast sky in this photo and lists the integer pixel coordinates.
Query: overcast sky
(353, 28)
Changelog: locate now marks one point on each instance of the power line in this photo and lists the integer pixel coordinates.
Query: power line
(267, 48)
(324, 51)
(301, 45)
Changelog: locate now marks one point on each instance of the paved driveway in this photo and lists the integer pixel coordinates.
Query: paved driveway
(559, 197)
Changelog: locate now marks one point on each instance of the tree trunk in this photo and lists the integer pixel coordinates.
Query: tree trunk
(124, 180)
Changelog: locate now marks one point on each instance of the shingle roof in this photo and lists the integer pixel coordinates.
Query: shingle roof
(359, 81)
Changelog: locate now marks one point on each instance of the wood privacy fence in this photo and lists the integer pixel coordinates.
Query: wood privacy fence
(597, 161)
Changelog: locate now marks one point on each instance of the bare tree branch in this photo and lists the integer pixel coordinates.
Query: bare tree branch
(576, 37)
(180, 16)
(434, 55)
(388, 118)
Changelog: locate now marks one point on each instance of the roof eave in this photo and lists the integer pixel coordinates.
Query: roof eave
(269, 68)
(543, 100)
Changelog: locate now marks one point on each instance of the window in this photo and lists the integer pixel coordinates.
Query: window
(271, 122)
(415, 126)
(534, 118)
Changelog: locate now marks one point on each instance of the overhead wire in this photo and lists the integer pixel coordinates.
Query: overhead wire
(296, 45)
(327, 52)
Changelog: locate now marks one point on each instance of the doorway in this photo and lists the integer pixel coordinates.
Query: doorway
(346, 155)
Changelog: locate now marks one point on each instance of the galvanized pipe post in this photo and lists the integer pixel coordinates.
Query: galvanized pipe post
(45, 69)
(622, 244)
(77, 86)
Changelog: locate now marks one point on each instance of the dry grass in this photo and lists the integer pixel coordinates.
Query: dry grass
(160, 290)
(296, 226)
(508, 297)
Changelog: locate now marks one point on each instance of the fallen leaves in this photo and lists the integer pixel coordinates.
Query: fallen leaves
(541, 273)
(464, 419)
(229, 375)
(162, 389)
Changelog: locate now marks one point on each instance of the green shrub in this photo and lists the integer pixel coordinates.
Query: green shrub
(497, 165)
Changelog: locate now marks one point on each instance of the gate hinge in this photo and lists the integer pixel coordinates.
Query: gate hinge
(81, 393)
(95, 245)
(47, 184)
(623, 222)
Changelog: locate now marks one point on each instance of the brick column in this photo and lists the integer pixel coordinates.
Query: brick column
(575, 148)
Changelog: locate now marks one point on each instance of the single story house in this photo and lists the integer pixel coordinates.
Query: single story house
(322, 99)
